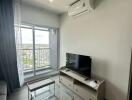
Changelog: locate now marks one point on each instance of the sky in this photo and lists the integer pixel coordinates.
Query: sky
(41, 37)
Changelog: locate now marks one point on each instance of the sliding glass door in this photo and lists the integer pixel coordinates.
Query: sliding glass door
(42, 50)
(38, 50)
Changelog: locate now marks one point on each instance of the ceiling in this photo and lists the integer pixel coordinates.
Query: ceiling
(57, 6)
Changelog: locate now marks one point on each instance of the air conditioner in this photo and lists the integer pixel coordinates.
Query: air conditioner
(80, 6)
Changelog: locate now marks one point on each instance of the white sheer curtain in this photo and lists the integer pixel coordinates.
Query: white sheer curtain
(17, 22)
(54, 36)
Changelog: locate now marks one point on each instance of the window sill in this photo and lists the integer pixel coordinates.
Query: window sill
(42, 76)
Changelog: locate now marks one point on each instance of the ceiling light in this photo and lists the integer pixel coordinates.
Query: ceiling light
(51, 0)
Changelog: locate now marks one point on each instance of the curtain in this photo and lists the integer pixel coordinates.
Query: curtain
(18, 36)
(54, 41)
(8, 60)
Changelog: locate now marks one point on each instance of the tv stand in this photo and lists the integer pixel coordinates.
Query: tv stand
(86, 88)
(87, 78)
(67, 69)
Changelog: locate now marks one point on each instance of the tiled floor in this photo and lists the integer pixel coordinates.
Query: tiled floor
(20, 94)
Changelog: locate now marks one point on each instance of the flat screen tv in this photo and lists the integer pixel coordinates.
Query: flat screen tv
(79, 63)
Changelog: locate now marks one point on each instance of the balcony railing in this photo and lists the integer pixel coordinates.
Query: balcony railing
(42, 58)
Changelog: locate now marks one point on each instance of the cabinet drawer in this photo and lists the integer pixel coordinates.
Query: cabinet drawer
(68, 82)
(84, 93)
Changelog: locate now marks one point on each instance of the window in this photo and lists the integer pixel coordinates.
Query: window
(27, 49)
(38, 50)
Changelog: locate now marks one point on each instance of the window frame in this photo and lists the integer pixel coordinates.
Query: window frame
(42, 28)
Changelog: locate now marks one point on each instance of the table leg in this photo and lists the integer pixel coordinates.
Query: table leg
(35, 94)
(54, 89)
(28, 94)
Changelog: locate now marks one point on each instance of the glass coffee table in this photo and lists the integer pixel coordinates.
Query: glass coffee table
(41, 90)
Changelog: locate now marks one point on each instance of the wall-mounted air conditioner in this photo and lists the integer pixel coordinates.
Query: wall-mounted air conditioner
(80, 6)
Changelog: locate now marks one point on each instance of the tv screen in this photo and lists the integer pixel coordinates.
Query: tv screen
(79, 63)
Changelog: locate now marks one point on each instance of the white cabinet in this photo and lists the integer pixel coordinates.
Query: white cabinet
(85, 92)
(65, 93)
(81, 88)
(65, 96)
(67, 81)
(68, 94)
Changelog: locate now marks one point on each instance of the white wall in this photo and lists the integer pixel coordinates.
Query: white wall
(106, 35)
(34, 15)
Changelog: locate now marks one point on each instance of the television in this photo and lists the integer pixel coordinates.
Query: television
(79, 63)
